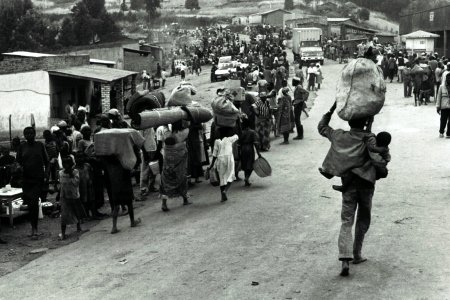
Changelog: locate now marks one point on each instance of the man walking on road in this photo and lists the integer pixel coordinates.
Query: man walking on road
(348, 147)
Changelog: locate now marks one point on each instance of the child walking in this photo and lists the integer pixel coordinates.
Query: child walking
(223, 154)
(249, 142)
(71, 208)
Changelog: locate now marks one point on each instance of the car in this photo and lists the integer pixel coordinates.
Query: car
(227, 67)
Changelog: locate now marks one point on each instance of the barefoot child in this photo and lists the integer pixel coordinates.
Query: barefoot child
(223, 154)
(71, 207)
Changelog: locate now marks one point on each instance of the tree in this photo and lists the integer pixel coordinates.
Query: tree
(123, 6)
(136, 4)
(364, 14)
(11, 13)
(82, 25)
(151, 6)
(66, 34)
(96, 8)
(289, 4)
(191, 4)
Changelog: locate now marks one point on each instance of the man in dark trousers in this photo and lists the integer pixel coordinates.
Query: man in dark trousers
(349, 147)
(300, 97)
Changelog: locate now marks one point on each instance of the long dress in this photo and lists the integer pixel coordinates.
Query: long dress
(223, 151)
(173, 176)
(284, 123)
(263, 124)
(72, 210)
(195, 151)
(248, 141)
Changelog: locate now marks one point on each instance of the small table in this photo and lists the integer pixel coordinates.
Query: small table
(8, 198)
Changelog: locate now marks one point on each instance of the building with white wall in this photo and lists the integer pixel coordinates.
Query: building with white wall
(420, 41)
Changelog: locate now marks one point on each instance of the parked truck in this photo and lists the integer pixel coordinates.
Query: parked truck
(306, 45)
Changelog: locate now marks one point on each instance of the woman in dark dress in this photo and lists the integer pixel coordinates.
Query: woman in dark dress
(249, 142)
(33, 159)
(121, 190)
(195, 152)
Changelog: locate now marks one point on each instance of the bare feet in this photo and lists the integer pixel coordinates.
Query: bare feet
(165, 208)
(114, 231)
(345, 268)
(224, 197)
(136, 222)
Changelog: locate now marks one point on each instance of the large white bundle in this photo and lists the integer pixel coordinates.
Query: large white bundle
(361, 90)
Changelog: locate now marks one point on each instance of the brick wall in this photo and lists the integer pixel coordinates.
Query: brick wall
(106, 89)
(16, 64)
(118, 86)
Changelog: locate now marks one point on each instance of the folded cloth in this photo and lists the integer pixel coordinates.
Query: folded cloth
(120, 143)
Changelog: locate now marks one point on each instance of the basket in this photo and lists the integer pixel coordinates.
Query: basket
(262, 167)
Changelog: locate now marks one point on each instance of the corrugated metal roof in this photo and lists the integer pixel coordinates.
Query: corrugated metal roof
(420, 34)
(100, 61)
(28, 54)
(337, 19)
(271, 11)
(92, 72)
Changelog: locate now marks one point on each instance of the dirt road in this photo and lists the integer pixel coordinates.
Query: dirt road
(281, 232)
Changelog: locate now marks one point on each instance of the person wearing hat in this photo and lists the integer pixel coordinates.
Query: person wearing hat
(300, 97)
(284, 115)
(263, 121)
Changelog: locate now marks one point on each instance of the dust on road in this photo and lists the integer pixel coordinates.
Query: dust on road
(281, 233)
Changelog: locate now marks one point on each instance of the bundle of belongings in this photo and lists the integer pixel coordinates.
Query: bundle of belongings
(119, 142)
(179, 107)
(225, 113)
(360, 96)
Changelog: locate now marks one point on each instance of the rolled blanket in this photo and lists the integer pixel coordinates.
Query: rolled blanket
(158, 117)
(119, 142)
(361, 90)
(148, 101)
(198, 114)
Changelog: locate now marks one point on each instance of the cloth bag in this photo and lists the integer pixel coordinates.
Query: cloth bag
(360, 91)
(213, 177)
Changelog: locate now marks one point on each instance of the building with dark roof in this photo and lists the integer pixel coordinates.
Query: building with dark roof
(435, 21)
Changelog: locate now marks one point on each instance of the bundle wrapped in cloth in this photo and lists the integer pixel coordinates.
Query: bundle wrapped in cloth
(120, 143)
(361, 90)
(182, 95)
(225, 113)
(169, 115)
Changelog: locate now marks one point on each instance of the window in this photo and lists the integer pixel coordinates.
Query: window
(422, 42)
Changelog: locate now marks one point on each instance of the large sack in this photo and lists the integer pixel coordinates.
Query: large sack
(223, 105)
(119, 142)
(182, 95)
(225, 120)
(361, 90)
